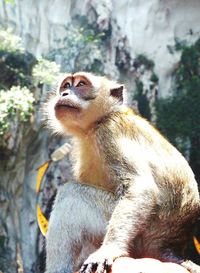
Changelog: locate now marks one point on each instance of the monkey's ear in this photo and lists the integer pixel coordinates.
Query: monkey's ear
(117, 92)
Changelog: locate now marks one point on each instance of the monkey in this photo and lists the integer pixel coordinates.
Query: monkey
(135, 194)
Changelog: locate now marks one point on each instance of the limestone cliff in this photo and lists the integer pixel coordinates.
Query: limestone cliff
(152, 28)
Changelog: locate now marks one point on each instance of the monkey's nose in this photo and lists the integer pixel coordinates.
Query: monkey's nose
(64, 93)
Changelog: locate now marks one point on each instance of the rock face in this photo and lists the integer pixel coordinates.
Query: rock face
(153, 28)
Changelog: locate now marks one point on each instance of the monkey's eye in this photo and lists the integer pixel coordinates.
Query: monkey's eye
(66, 85)
(81, 83)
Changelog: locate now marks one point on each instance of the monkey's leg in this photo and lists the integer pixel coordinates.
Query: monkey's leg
(77, 226)
(128, 220)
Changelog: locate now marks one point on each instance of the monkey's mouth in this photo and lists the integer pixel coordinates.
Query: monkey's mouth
(66, 105)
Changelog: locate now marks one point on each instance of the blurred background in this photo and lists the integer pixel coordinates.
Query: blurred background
(153, 46)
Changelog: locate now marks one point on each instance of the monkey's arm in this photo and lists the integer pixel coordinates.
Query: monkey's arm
(128, 220)
(77, 226)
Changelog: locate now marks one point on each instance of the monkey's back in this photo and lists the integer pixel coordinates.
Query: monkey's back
(176, 206)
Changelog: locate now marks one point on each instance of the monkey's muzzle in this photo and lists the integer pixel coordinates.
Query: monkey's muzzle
(65, 104)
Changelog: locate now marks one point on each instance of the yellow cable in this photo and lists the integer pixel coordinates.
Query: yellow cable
(41, 171)
(42, 221)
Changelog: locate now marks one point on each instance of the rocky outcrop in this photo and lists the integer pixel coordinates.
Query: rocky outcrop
(153, 28)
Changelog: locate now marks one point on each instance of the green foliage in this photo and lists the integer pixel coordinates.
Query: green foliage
(45, 72)
(9, 1)
(15, 64)
(80, 49)
(10, 42)
(142, 94)
(14, 103)
(19, 71)
(142, 100)
(154, 78)
(179, 44)
(18, 67)
(15, 68)
(143, 60)
(179, 116)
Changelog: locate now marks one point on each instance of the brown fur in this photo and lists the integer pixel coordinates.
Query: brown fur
(119, 151)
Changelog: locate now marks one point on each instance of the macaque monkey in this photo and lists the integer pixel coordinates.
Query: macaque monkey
(135, 195)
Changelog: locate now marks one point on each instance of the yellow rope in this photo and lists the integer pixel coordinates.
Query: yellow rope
(41, 219)
(41, 171)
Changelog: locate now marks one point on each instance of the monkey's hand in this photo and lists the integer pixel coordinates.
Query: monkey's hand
(101, 260)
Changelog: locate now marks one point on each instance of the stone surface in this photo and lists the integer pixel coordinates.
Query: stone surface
(150, 27)
(146, 265)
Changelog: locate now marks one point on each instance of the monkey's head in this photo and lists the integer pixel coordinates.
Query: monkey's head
(80, 100)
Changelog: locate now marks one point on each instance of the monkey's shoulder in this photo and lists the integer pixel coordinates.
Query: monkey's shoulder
(127, 122)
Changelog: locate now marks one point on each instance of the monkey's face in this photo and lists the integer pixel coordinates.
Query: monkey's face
(81, 99)
(74, 93)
